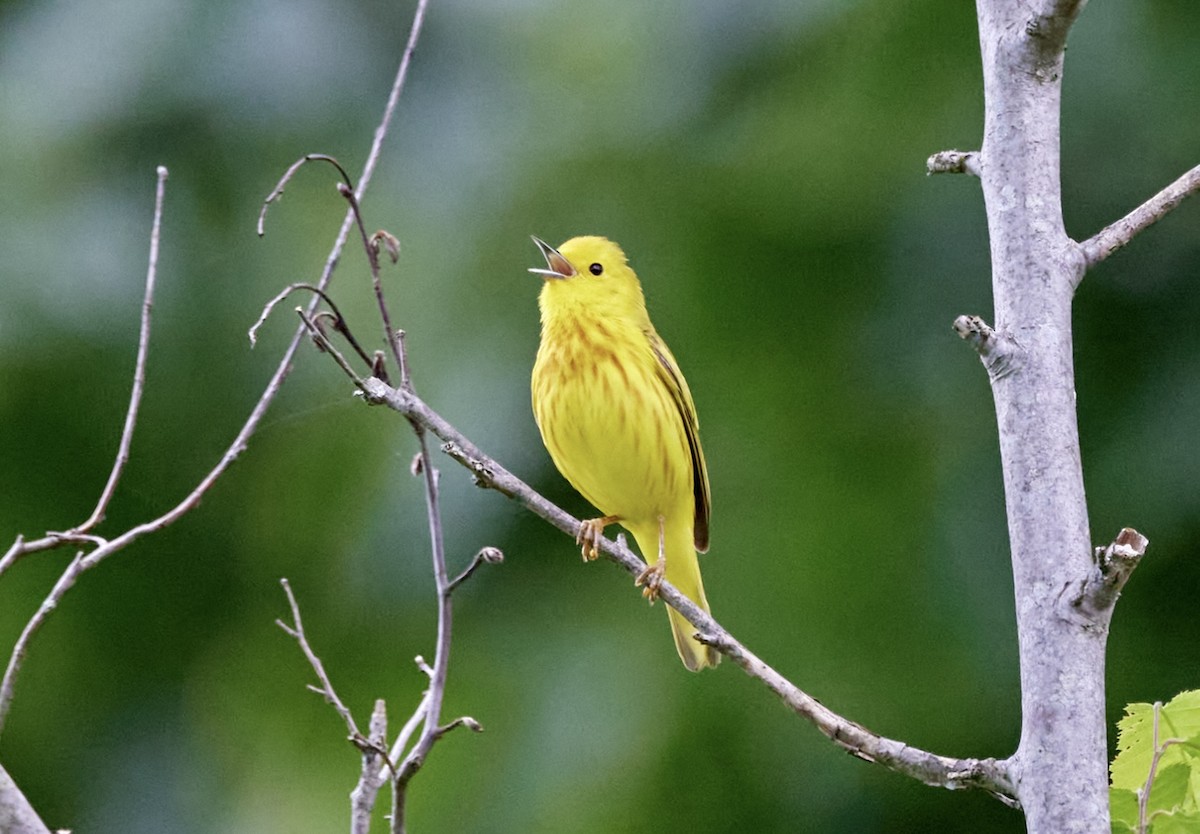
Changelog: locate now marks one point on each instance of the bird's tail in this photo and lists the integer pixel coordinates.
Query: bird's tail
(683, 571)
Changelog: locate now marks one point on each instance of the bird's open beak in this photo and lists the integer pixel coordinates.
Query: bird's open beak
(557, 265)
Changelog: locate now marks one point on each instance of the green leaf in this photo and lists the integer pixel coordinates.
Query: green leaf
(1169, 788)
(1179, 719)
(1123, 807)
(1181, 822)
(1135, 747)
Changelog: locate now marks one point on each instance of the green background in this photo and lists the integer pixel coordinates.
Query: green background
(763, 166)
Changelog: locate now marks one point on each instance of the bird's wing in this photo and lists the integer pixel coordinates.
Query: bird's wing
(670, 375)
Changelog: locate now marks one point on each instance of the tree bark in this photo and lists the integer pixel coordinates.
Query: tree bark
(1060, 768)
(16, 814)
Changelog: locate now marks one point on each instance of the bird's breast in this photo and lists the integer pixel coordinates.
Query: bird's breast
(609, 421)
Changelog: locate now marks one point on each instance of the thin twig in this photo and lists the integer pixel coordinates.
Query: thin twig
(372, 251)
(490, 555)
(17, 816)
(277, 191)
(1144, 793)
(953, 162)
(139, 373)
(8, 684)
(296, 632)
(362, 798)
(1115, 235)
(406, 733)
(324, 344)
(437, 675)
(106, 548)
(932, 769)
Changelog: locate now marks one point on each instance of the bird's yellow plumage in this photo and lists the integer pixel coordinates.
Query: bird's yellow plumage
(618, 420)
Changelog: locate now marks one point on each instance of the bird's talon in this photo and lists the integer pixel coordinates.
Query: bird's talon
(591, 531)
(649, 581)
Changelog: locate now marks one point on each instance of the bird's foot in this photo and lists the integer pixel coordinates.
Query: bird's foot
(591, 531)
(649, 580)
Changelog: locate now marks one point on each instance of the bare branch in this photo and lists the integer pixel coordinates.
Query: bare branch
(296, 631)
(939, 771)
(372, 250)
(1000, 354)
(490, 555)
(362, 798)
(437, 674)
(463, 721)
(989, 774)
(139, 373)
(16, 814)
(277, 192)
(953, 162)
(107, 547)
(8, 684)
(1116, 235)
(322, 341)
(1113, 565)
(406, 733)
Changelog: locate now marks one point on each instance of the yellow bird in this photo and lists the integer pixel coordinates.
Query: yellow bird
(618, 420)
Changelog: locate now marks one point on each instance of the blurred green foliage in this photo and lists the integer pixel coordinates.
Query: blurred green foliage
(1158, 758)
(763, 166)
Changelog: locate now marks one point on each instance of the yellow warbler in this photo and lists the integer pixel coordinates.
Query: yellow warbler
(618, 420)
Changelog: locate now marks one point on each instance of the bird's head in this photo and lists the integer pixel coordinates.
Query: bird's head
(589, 274)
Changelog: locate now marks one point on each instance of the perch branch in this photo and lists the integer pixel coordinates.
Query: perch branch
(1115, 235)
(988, 774)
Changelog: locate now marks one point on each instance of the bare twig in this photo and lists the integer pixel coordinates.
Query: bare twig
(107, 547)
(988, 774)
(490, 555)
(1000, 354)
(277, 192)
(406, 733)
(372, 250)
(296, 632)
(1143, 795)
(1115, 235)
(437, 675)
(322, 341)
(1113, 565)
(8, 684)
(139, 373)
(16, 814)
(362, 798)
(373, 747)
(953, 162)
(339, 322)
(1051, 21)
(79, 534)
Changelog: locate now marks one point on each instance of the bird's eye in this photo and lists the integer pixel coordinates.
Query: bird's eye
(596, 269)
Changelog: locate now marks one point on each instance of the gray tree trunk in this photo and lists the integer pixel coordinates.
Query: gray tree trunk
(1060, 768)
